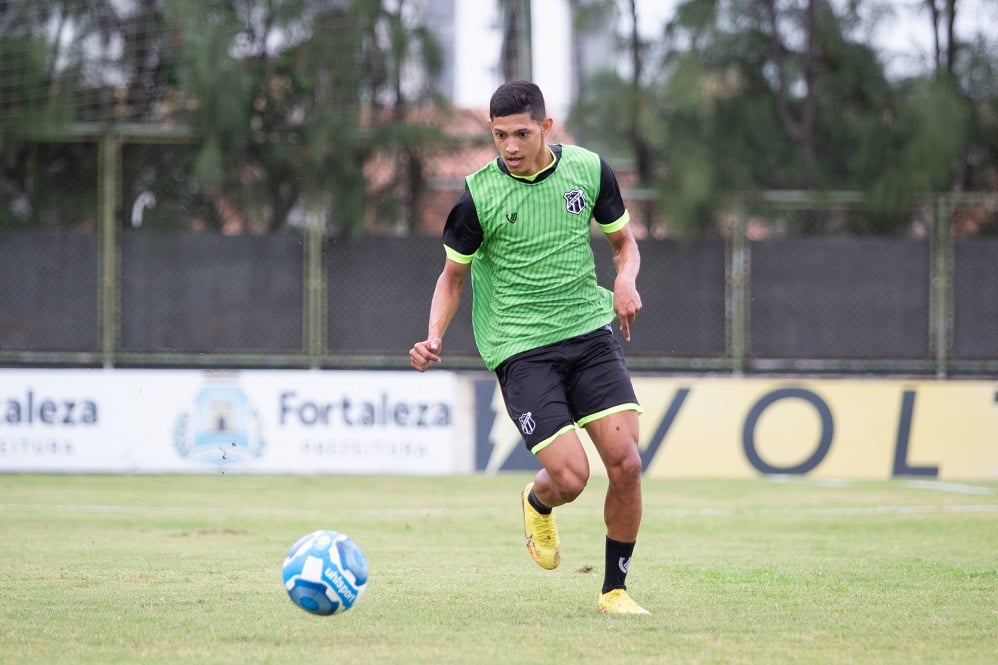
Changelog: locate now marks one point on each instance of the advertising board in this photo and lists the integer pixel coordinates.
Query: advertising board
(729, 427)
(250, 421)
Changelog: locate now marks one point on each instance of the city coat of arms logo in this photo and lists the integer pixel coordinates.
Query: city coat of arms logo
(222, 428)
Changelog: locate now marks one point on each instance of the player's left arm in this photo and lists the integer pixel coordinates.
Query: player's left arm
(627, 261)
(612, 216)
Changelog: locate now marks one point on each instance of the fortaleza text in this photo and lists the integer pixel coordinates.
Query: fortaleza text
(31, 410)
(346, 411)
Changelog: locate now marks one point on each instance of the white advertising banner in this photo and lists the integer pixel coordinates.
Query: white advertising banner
(258, 421)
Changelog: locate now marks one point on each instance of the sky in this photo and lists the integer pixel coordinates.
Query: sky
(905, 40)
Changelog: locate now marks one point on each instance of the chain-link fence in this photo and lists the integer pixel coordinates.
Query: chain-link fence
(150, 271)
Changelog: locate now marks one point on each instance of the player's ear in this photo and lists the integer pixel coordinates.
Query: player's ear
(546, 125)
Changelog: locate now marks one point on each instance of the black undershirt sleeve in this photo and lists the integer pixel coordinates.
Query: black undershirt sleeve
(463, 230)
(609, 205)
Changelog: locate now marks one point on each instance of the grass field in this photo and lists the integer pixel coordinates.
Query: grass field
(181, 569)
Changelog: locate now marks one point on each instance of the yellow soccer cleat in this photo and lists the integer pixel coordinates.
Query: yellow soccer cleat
(541, 533)
(616, 601)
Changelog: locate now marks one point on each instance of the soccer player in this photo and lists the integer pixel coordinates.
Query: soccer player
(521, 228)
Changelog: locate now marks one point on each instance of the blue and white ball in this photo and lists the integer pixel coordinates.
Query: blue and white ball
(325, 572)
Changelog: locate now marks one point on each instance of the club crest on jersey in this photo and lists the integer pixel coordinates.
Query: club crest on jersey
(527, 423)
(575, 201)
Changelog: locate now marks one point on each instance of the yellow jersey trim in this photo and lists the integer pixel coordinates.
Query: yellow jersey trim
(457, 256)
(617, 225)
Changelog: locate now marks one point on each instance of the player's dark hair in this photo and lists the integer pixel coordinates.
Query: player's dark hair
(517, 97)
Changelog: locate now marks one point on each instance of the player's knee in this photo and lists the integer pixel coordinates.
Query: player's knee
(626, 469)
(568, 483)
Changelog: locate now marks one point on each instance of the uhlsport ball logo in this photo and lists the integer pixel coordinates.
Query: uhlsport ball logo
(325, 572)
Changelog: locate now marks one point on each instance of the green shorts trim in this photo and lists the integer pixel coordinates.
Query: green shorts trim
(548, 441)
(585, 421)
(633, 406)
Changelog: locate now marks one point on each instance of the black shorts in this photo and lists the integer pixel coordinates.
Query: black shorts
(559, 387)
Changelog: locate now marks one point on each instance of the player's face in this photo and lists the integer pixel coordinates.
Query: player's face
(520, 142)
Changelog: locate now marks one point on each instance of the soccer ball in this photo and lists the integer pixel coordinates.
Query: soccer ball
(325, 572)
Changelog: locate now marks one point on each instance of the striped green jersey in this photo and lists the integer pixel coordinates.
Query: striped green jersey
(533, 272)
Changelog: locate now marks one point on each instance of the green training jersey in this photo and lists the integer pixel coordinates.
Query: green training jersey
(533, 272)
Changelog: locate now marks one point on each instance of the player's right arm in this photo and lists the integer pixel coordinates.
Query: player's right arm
(443, 306)
(462, 238)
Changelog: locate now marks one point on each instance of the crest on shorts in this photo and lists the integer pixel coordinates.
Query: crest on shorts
(575, 201)
(527, 423)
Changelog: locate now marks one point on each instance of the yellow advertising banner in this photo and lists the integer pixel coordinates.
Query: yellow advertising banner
(835, 428)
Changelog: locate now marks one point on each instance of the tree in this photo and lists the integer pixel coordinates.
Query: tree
(515, 58)
(290, 99)
(612, 110)
(965, 78)
(302, 109)
(783, 94)
(44, 50)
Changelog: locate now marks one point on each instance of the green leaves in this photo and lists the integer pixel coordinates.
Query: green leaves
(749, 96)
(293, 97)
(930, 135)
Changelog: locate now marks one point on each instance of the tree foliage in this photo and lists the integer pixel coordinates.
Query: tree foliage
(314, 111)
(743, 96)
(289, 99)
(317, 90)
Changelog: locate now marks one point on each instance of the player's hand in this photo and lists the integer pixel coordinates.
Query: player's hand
(422, 354)
(626, 304)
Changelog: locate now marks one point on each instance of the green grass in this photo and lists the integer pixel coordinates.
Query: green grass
(186, 569)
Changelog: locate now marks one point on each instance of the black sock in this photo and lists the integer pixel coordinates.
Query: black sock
(536, 503)
(618, 560)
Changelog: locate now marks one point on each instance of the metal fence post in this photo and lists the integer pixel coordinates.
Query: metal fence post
(109, 187)
(314, 274)
(736, 293)
(940, 298)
